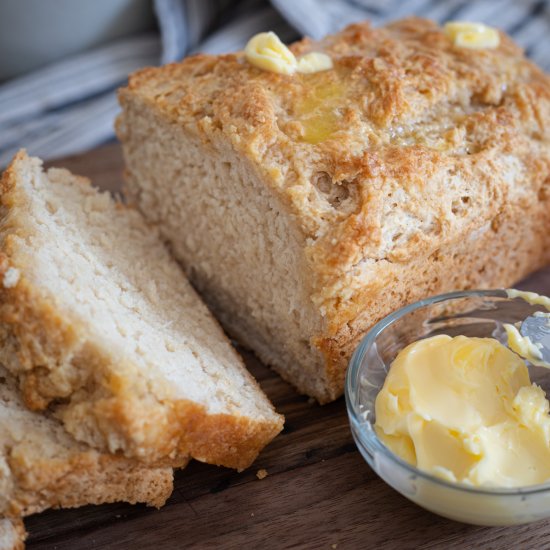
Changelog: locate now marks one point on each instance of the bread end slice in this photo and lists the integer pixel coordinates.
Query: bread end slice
(42, 466)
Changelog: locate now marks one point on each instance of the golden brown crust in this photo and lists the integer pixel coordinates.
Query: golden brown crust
(513, 246)
(409, 104)
(53, 359)
(86, 477)
(172, 430)
(402, 152)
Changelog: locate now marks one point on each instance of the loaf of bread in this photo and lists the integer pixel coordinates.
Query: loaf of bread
(98, 321)
(12, 534)
(305, 207)
(44, 467)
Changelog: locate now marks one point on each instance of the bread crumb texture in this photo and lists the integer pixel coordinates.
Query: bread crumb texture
(102, 319)
(413, 166)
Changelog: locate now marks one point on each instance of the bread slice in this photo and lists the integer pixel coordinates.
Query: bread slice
(12, 534)
(42, 466)
(411, 168)
(97, 320)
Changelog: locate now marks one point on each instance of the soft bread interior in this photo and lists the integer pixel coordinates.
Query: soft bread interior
(245, 255)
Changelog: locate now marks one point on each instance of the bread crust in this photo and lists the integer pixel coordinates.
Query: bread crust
(106, 405)
(403, 152)
(88, 477)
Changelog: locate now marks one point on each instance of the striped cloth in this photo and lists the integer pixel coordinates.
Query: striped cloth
(70, 106)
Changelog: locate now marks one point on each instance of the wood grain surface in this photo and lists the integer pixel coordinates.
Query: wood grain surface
(319, 493)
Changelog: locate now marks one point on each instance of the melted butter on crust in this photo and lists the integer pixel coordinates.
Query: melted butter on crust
(317, 111)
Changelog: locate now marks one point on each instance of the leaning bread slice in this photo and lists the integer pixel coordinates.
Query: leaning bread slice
(12, 534)
(42, 466)
(97, 319)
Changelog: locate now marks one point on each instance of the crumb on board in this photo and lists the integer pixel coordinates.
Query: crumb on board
(260, 474)
(334, 546)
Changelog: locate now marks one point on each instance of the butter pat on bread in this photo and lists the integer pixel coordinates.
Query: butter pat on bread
(266, 51)
(475, 36)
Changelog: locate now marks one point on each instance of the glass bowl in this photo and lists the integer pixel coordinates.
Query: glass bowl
(471, 313)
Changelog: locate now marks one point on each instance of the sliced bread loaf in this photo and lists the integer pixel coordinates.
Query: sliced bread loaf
(97, 319)
(412, 167)
(42, 466)
(12, 534)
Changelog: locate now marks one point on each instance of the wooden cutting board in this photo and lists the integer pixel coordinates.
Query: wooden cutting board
(319, 493)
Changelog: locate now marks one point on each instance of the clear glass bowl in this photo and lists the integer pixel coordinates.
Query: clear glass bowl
(472, 313)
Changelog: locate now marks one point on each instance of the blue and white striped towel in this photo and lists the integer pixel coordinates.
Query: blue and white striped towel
(70, 106)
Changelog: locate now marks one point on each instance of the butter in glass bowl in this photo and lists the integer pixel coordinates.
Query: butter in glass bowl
(471, 314)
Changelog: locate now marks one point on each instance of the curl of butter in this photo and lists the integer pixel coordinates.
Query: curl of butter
(314, 62)
(266, 51)
(475, 36)
(523, 345)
